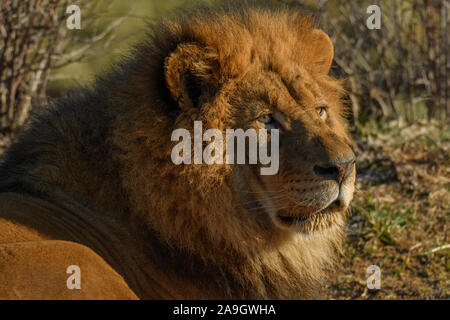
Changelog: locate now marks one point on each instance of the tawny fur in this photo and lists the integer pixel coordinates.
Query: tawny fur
(107, 149)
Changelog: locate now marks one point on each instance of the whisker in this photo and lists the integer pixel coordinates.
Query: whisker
(277, 208)
(280, 197)
(264, 191)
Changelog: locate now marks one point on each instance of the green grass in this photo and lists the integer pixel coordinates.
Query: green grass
(381, 222)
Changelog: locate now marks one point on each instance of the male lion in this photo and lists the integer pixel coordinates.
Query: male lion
(90, 182)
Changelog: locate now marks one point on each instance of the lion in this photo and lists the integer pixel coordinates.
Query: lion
(90, 181)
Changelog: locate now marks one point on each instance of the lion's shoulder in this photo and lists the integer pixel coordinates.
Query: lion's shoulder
(53, 269)
(37, 261)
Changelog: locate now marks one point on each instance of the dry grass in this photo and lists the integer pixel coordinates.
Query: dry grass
(400, 215)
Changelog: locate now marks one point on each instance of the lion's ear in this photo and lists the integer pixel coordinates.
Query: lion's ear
(189, 71)
(322, 52)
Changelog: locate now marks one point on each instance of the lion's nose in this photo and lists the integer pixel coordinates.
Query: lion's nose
(335, 170)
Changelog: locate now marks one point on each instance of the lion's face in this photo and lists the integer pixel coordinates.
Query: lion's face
(282, 84)
(315, 181)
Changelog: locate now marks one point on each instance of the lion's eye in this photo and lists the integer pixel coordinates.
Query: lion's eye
(322, 111)
(266, 119)
(269, 122)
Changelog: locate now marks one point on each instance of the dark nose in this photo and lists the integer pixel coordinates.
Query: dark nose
(335, 170)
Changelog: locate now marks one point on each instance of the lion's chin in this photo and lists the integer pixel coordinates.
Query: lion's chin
(316, 221)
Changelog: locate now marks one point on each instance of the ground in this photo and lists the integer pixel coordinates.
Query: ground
(399, 218)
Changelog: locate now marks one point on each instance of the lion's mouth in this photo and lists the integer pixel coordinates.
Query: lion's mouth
(289, 220)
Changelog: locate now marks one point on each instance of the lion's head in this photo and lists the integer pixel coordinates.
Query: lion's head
(249, 69)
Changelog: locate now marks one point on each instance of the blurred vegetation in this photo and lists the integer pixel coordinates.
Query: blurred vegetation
(398, 72)
(136, 15)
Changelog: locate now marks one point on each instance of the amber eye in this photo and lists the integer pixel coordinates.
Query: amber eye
(322, 111)
(266, 119)
(269, 122)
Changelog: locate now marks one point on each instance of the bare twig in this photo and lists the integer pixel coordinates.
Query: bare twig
(33, 42)
(446, 246)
